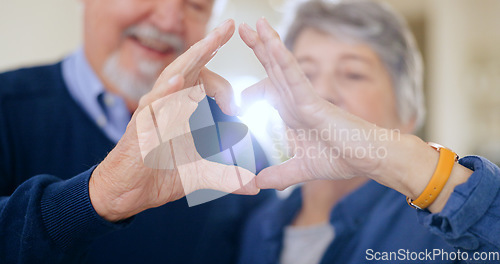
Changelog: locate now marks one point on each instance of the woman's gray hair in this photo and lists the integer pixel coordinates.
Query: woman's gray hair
(380, 27)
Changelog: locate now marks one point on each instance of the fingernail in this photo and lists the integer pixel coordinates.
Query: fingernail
(246, 26)
(224, 23)
(174, 79)
(262, 21)
(215, 52)
(265, 21)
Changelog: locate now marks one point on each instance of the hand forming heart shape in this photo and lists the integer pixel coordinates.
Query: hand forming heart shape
(129, 181)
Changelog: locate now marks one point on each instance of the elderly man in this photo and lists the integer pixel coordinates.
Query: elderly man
(61, 119)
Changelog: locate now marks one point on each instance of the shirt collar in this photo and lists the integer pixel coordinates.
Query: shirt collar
(89, 92)
(85, 85)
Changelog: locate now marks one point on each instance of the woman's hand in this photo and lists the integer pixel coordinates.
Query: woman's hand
(332, 143)
(314, 124)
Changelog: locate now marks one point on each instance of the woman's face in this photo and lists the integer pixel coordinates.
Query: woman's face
(349, 75)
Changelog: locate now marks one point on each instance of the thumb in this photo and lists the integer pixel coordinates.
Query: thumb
(262, 90)
(221, 90)
(204, 174)
(228, 178)
(283, 175)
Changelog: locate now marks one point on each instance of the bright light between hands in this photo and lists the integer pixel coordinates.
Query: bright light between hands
(265, 124)
(259, 117)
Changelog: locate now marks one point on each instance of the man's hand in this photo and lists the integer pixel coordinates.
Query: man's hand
(123, 185)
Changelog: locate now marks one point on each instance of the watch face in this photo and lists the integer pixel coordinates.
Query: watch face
(410, 203)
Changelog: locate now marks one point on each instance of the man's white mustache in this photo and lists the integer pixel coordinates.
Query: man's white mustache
(152, 32)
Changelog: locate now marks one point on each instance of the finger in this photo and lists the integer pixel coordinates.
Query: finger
(293, 75)
(262, 90)
(249, 189)
(253, 41)
(221, 90)
(208, 47)
(190, 63)
(282, 176)
(228, 178)
(197, 93)
(172, 112)
(266, 32)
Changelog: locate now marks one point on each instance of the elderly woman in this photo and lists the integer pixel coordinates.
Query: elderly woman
(361, 57)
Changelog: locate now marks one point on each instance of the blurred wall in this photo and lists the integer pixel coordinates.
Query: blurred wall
(460, 40)
(464, 74)
(33, 32)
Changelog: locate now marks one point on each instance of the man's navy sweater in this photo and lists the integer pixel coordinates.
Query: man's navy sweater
(48, 219)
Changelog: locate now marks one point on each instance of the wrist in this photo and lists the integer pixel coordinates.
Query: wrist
(110, 185)
(409, 165)
(102, 199)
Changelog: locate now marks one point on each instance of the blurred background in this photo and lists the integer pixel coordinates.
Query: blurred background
(459, 39)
